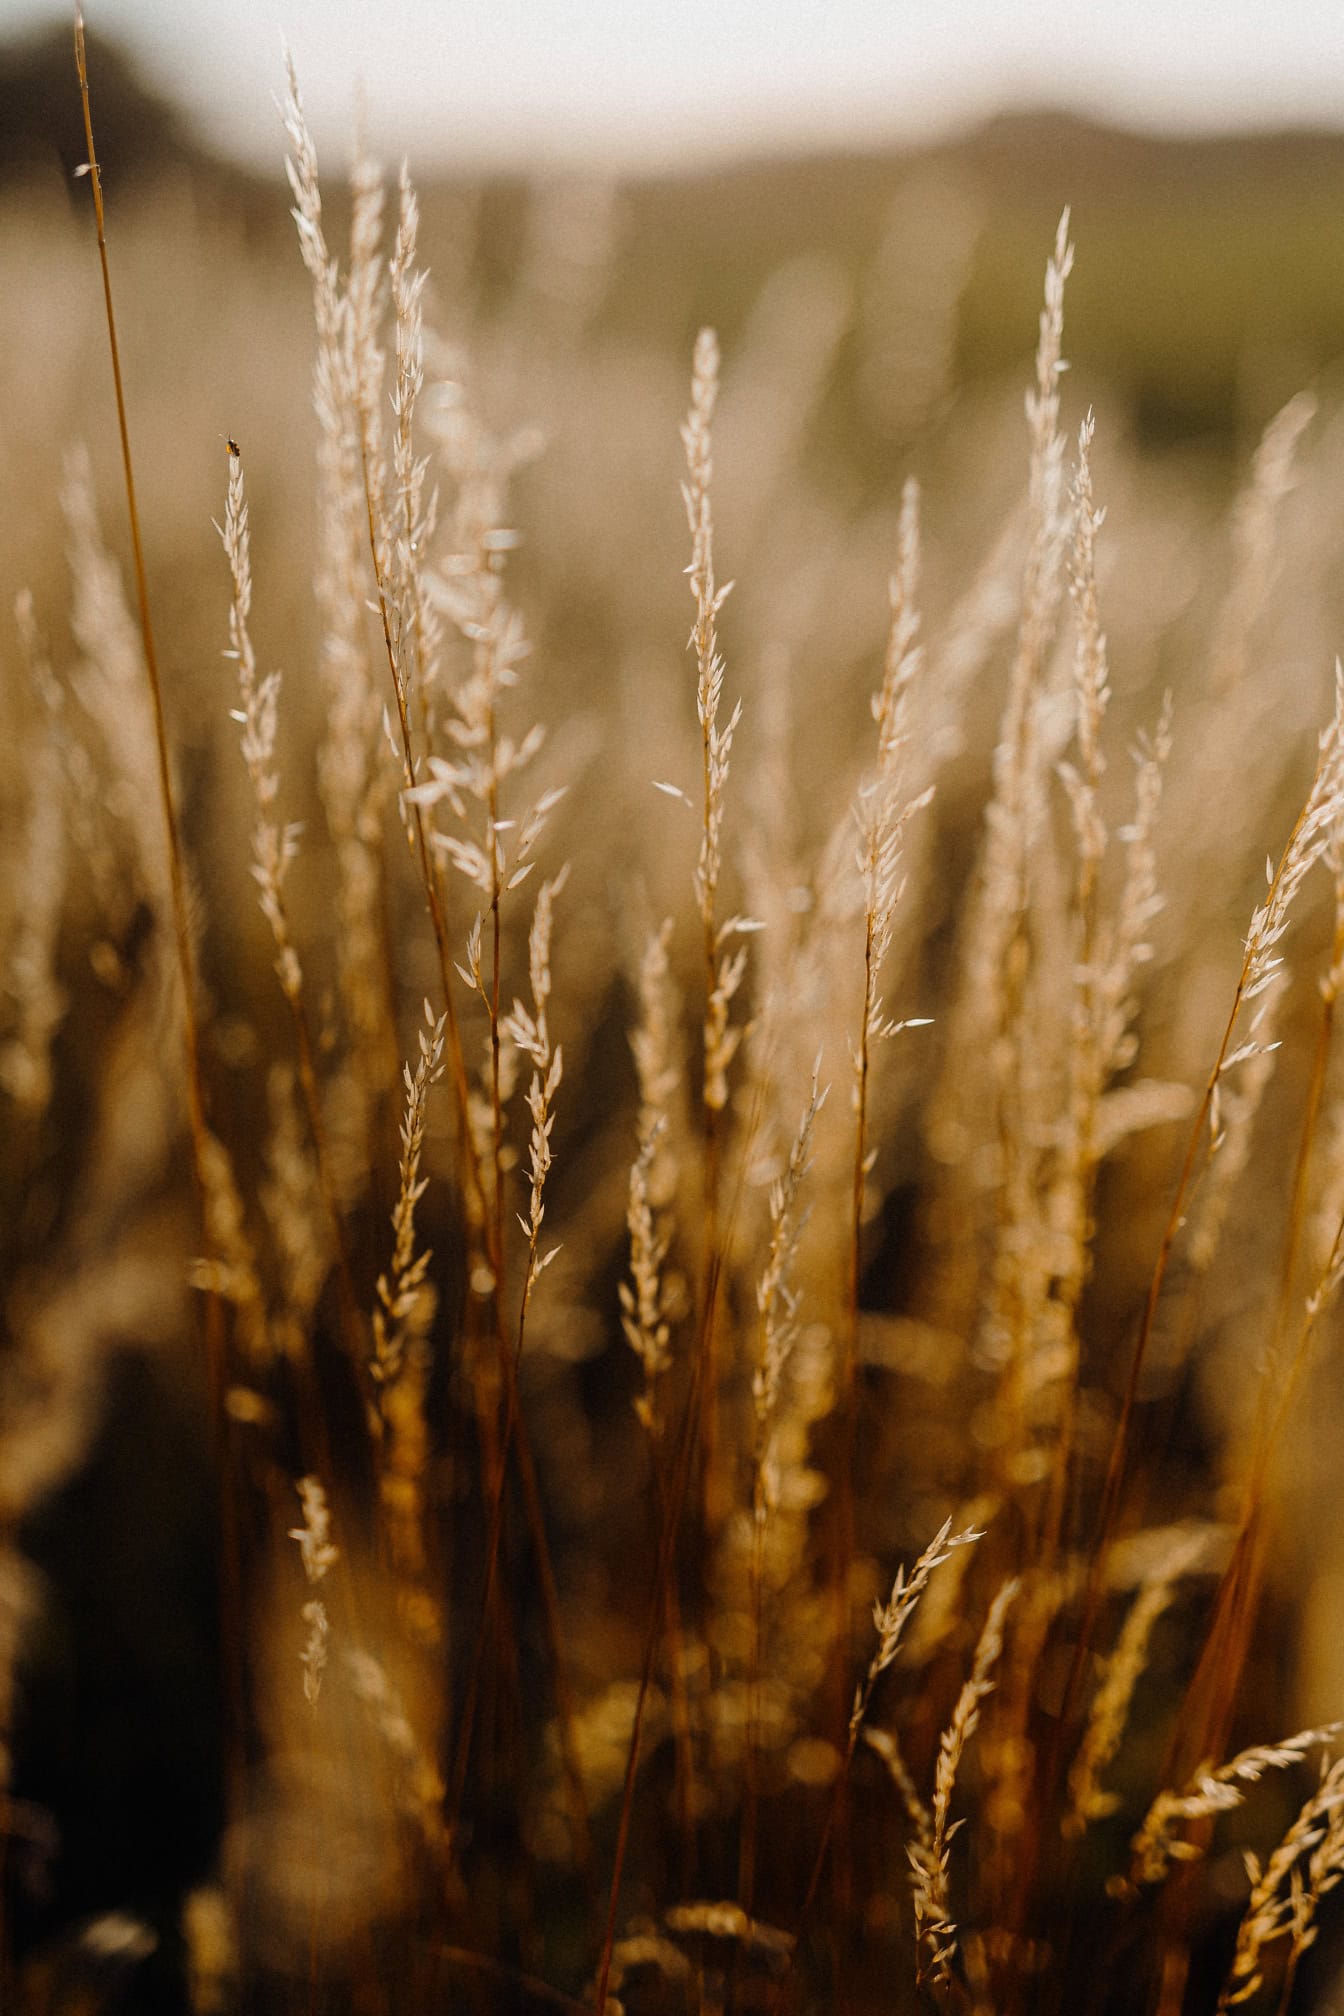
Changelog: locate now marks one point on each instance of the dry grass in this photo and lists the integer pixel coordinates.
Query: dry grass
(614, 1393)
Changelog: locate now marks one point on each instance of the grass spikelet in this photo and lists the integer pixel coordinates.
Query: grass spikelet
(1209, 1792)
(1279, 1901)
(405, 1302)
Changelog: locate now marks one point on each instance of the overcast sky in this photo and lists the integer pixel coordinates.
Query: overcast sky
(656, 80)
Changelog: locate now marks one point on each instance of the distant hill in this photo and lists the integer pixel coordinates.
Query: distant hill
(140, 136)
(1209, 281)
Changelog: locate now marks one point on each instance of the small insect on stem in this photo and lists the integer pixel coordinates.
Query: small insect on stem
(233, 448)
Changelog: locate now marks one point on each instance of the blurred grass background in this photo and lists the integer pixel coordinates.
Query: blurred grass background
(877, 315)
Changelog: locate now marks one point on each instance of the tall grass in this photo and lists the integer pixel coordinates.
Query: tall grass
(701, 1400)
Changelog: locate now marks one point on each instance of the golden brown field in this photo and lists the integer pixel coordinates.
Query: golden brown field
(670, 1308)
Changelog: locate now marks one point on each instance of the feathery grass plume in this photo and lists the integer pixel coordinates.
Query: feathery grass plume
(418, 1787)
(110, 683)
(412, 526)
(935, 1929)
(231, 1270)
(1254, 524)
(1319, 1234)
(82, 793)
(1262, 965)
(647, 1305)
(37, 1000)
(725, 963)
(1227, 1641)
(295, 1213)
(999, 1057)
(1125, 945)
(1157, 1844)
(1325, 1867)
(1119, 1676)
(493, 850)
(319, 1556)
(399, 529)
(890, 1621)
(405, 1298)
(350, 779)
(529, 1030)
(724, 969)
(1232, 1118)
(891, 1618)
(778, 1295)
(400, 1365)
(494, 853)
(1106, 950)
(884, 809)
(1018, 806)
(273, 846)
(1281, 1903)
(1046, 1372)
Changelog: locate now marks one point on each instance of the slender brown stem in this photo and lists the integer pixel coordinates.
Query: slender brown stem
(681, 1471)
(230, 1591)
(579, 1828)
(461, 1960)
(683, 1463)
(177, 878)
(751, 1794)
